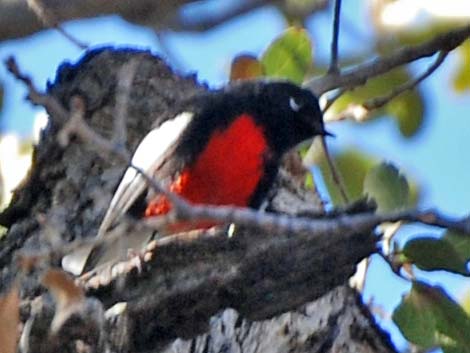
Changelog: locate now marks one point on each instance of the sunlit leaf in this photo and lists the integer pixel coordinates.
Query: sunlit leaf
(309, 183)
(462, 75)
(428, 317)
(387, 187)
(353, 166)
(431, 254)
(245, 67)
(466, 302)
(289, 56)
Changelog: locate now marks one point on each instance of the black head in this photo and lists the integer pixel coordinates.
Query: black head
(290, 113)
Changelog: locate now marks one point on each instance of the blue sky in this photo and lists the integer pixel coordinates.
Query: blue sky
(437, 157)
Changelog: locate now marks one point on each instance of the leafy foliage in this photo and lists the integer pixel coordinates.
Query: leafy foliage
(432, 254)
(353, 166)
(362, 175)
(428, 317)
(387, 187)
(289, 56)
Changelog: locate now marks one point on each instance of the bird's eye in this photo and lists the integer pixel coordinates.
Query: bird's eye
(294, 105)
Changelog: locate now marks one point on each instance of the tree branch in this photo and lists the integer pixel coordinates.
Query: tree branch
(379, 102)
(36, 97)
(334, 69)
(18, 20)
(359, 75)
(213, 20)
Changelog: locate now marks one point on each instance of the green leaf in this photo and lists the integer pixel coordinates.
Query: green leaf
(352, 166)
(460, 242)
(431, 254)
(465, 302)
(428, 317)
(408, 110)
(289, 56)
(462, 76)
(387, 187)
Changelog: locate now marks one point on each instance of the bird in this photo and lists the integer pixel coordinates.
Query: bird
(221, 147)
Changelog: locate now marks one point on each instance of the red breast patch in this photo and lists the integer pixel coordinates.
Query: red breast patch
(226, 172)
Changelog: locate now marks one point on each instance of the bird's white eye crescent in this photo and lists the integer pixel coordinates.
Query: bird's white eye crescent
(294, 105)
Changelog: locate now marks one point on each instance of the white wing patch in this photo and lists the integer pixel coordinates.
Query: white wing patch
(147, 157)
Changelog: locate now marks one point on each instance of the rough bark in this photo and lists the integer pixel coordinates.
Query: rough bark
(180, 282)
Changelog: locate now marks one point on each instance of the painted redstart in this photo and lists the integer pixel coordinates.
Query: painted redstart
(222, 147)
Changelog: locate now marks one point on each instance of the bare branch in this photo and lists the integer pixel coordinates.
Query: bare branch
(60, 115)
(277, 223)
(213, 20)
(333, 99)
(359, 75)
(18, 20)
(379, 102)
(335, 173)
(76, 126)
(167, 51)
(334, 69)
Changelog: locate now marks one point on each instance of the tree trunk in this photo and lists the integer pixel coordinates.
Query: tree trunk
(198, 292)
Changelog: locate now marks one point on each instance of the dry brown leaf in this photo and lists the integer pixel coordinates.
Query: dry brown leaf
(68, 296)
(27, 263)
(9, 318)
(245, 67)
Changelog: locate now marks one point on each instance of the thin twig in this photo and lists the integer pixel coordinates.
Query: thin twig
(379, 102)
(338, 181)
(168, 52)
(78, 43)
(60, 115)
(334, 69)
(47, 18)
(123, 90)
(76, 126)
